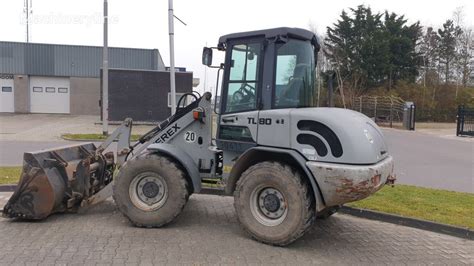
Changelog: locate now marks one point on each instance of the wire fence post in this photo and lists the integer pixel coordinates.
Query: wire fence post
(375, 109)
(391, 112)
(459, 120)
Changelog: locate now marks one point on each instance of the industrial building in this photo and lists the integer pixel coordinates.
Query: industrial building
(51, 78)
(144, 95)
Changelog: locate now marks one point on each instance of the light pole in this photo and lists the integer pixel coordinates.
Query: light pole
(105, 75)
(172, 72)
(28, 11)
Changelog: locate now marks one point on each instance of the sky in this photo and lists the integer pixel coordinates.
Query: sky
(144, 23)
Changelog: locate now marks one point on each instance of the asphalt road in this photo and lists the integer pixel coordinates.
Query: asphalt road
(420, 159)
(425, 160)
(11, 151)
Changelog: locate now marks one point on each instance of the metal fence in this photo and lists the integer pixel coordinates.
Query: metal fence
(465, 121)
(384, 110)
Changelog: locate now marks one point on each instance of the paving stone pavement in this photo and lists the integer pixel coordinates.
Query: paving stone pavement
(207, 232)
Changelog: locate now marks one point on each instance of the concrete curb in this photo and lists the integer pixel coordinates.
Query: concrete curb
(135, 123)
(7, 188)
(88, 140)
(82, 140)
(410, 222)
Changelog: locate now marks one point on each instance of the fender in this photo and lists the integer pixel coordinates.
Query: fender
(255, 155)
(183, 158)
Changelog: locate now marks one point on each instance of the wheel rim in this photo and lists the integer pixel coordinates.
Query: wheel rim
(148, 191)
(268, 205)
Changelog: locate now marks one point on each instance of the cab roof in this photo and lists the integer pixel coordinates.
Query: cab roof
(296, 33)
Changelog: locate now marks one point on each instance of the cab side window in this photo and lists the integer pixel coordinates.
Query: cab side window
(294, 77)
(243, 79)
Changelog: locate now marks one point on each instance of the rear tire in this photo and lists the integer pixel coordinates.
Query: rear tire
(150, 191)
(273, 203)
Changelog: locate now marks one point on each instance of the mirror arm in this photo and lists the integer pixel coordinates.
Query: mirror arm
(217, 87)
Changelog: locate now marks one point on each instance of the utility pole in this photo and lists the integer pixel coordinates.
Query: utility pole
(28, 10)
(105, 75)
(205, 77)
(172, 71)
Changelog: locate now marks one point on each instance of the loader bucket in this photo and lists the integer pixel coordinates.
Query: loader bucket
(58, 181)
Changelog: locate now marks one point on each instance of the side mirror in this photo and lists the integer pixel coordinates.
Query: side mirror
(207, 56)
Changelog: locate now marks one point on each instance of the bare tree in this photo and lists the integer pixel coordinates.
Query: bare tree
(449, 35)
(324, 65)
(464, 49)
(428, 48)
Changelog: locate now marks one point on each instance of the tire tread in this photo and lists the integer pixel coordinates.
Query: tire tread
(308, 199)
(163, 162)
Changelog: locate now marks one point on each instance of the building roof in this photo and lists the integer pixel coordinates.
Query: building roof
(71, 60)
(271, 33)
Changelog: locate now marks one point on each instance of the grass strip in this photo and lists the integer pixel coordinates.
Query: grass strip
(442, 206)
(10, 175)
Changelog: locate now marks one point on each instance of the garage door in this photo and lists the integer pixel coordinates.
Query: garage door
(49, 95)
(6, 94)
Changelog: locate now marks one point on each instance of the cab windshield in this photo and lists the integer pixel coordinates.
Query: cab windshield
(295, 75)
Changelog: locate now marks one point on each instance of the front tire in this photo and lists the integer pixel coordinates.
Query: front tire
(150, 191)
(273, 203)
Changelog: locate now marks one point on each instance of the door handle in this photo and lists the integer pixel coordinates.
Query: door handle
(229, 120)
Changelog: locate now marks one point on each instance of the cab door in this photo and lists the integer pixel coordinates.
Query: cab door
(241, 96)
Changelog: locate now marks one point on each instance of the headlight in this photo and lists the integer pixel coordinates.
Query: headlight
(368, 136)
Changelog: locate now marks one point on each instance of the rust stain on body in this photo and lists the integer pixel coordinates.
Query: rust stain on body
(349, 190)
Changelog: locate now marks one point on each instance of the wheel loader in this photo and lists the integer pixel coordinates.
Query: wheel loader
(284, 160)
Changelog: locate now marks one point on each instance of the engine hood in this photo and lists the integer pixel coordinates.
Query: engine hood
(336, 135)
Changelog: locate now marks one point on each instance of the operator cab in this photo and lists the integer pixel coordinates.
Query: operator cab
(263, 70)
(267, 69)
